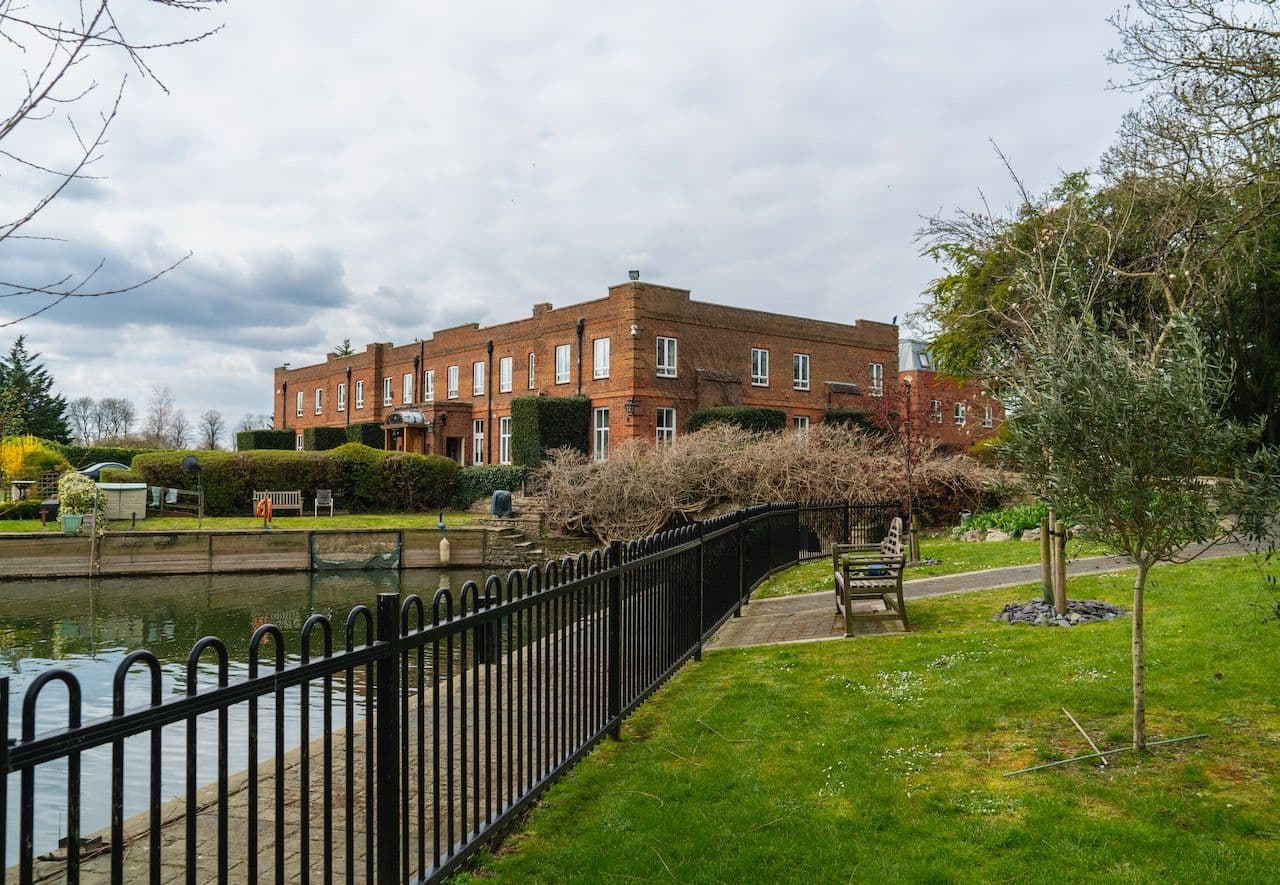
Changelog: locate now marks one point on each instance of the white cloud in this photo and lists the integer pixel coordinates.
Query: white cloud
(376, 175)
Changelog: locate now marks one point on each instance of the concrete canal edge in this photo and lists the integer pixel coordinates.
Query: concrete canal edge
(53, 555)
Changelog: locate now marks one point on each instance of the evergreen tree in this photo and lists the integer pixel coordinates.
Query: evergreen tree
(31, 386)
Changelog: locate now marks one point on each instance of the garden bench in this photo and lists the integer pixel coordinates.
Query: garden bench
(281, 500)
(871, 572)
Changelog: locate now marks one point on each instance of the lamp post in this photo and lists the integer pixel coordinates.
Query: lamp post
(913, 542)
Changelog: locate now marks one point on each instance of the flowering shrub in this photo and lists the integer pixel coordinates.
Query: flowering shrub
(79, 495)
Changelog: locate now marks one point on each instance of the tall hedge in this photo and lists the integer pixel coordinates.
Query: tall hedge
(321, 439)
(757, 419)
(368, 433)
(362, 479)
(542, 423)
(253, 440)
(478, 483)
(86, 456)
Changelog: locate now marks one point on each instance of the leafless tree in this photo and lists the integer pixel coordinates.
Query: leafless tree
(82, 415)
(116, 415)
(212, 426)
(161, 412)
(58, 42)
(179, 431)
(250, 421)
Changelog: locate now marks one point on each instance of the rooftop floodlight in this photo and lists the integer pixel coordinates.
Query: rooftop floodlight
(634, 274)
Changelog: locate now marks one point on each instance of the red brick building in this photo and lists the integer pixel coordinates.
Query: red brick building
(956, 413)
(647, 356)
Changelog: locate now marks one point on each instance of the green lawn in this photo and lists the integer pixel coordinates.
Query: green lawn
(954, 557)
(181, 523)
(881, 759)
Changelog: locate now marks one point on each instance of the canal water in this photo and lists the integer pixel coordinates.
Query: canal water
(89, 626)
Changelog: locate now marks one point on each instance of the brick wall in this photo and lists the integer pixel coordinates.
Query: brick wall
(714, 338)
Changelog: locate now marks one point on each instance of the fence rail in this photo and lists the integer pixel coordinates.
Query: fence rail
(422, 726)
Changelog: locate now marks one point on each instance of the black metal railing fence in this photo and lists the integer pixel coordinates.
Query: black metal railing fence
(422, 726)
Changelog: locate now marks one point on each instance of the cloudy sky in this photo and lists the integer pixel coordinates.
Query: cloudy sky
(375, 171)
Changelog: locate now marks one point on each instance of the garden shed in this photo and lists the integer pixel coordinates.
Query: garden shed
(125, 499)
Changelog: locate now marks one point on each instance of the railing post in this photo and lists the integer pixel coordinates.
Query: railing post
(387, 762)
(702, 575)
(742, 561)
(615, 640)
(845, 538)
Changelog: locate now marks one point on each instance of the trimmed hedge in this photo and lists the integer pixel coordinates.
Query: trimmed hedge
(362, 479)
(368, 433)
(111, 474)
(478, 483)
(81, 457)
(542, 423)
(321, 439)
(24, 509)
(757, 419)
(255, 440)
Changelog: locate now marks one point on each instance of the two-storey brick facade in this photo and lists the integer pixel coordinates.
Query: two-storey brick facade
(647, 356)
(955, 412)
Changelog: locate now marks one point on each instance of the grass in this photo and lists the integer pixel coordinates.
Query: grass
(224, 523)
(954, 557)
(883, 759)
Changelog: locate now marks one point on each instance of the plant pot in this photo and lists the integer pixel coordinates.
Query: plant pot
(71, 523)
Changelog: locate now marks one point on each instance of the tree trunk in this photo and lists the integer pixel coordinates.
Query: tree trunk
(1139, 663)
(1046, 566)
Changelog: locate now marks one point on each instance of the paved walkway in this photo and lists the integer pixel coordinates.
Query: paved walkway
(809, 617)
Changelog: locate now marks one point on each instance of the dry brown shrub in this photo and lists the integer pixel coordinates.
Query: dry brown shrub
(644, 488)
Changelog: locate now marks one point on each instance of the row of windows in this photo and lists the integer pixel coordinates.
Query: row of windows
(667, 349)
(960, 414)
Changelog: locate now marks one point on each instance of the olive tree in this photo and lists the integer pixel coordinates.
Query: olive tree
(1125, 432)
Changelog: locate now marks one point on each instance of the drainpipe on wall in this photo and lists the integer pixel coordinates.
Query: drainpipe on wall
(347, 402)
(488, 396)
(284, 403)
(582, 326)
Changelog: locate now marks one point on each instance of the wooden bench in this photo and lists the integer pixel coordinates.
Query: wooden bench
(280, 501)
(865, 572)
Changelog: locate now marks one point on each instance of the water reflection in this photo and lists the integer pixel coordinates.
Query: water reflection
(89, 626)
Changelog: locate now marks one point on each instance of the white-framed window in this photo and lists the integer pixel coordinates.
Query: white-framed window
(504, 439)
(359, 394)
(960, 414)
(935, 411)
(666, 424)
(800, 423)
(297, 442)
(388, 397)
(477, 379)
(504, 374)
(600, 451)
(988, 416)
(429, 385)
(877, 379)
(562, 363)
(319, 400)
(406, 388)
(532, 365)
(600, 358)
(759, 367)
(451, 381)
(342, 396)
(298, 403)
(800, 371)
(477, 441)
(666, 357)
